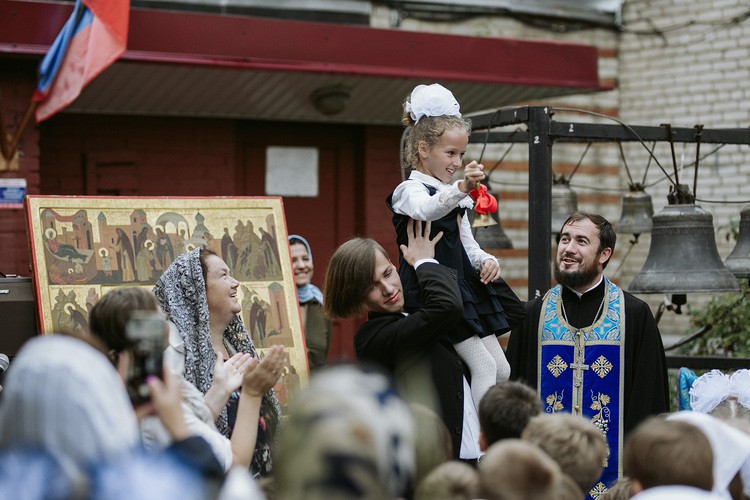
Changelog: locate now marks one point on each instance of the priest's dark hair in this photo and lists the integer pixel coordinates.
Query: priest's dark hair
(607, 235)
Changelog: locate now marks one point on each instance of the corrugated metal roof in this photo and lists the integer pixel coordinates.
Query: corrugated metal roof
(168, 90)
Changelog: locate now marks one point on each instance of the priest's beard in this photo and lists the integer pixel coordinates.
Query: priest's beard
(576, 279)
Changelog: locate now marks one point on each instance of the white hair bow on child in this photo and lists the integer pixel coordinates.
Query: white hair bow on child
(432, 100)
(713, 387)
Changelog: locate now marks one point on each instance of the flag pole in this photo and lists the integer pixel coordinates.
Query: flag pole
(13, 144)
(8, 147)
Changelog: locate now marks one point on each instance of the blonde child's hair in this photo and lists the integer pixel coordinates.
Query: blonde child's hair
(513, 469)
(730, 408)
(574, 442)
(432, 441)
(451, 480)
(569, 489)
(660, 452)
(619, 491)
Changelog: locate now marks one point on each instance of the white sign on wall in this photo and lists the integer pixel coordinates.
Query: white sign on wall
(292, 171)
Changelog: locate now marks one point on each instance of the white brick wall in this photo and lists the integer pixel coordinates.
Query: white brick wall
(695, 77)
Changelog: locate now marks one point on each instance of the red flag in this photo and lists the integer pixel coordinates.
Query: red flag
(94, 37)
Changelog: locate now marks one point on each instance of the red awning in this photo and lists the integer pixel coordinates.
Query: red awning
(181, 63)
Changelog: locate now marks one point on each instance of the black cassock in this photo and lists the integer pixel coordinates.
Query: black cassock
(646, 386)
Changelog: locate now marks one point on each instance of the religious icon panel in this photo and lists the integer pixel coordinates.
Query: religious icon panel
(83, 247)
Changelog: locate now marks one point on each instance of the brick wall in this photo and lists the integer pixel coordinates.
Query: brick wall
(16, 88)
(381, 175)
(144, 156)
(694, 74)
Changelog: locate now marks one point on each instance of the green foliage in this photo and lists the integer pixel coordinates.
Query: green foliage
(729, 317)
(731, 230)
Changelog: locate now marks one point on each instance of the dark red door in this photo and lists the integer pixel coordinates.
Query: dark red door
(325, 220)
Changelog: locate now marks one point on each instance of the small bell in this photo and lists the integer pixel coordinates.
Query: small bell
(484, 204)
(492, 236)
(564, 202)
(483, 220)
(637, 211)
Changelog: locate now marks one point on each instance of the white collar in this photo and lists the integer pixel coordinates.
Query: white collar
(426, 179)
(581, 294)
(466, 201)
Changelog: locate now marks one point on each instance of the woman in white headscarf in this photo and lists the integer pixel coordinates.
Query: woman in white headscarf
(730, 447)
(317, 329)
(63, 396)
(198, 294)
(349, 436)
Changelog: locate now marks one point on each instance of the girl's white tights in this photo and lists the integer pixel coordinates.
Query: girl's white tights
(501, 362)
(481, 363)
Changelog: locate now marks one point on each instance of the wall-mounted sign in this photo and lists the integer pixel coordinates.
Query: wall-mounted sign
(12, 192)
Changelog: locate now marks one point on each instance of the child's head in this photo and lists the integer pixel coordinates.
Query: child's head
(730, 448)
(730, 408)
(430, 111)
(432, 441)
(721, 395)
(505, 410)
(451, 480)
(514, 469)
(569, 489)
(618, 491)
(349, 435)
(573, 441)
(668, 452)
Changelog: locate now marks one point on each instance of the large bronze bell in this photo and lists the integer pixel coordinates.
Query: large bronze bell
(637, 211)
(491, 236)
(564, 202)
(683, 257)
(738, 261)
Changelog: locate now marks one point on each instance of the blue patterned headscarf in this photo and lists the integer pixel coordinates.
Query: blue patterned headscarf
(685, 379)
(309, 292)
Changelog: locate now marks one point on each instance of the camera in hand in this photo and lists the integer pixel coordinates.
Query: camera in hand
(146, 332)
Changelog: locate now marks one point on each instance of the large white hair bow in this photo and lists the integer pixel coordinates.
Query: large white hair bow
(713, 387)
(432, 100)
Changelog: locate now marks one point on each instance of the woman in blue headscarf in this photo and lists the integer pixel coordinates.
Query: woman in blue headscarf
(316, 328)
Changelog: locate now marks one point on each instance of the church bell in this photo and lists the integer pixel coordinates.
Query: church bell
(738, 261)
(637, 211)
(683, 257)
(564, 202)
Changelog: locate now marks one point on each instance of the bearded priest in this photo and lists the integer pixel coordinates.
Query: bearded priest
(590, 348)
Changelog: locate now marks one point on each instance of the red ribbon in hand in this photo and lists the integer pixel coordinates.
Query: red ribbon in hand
(484, 202)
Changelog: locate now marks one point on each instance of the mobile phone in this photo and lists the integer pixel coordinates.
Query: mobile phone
(146, 332)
